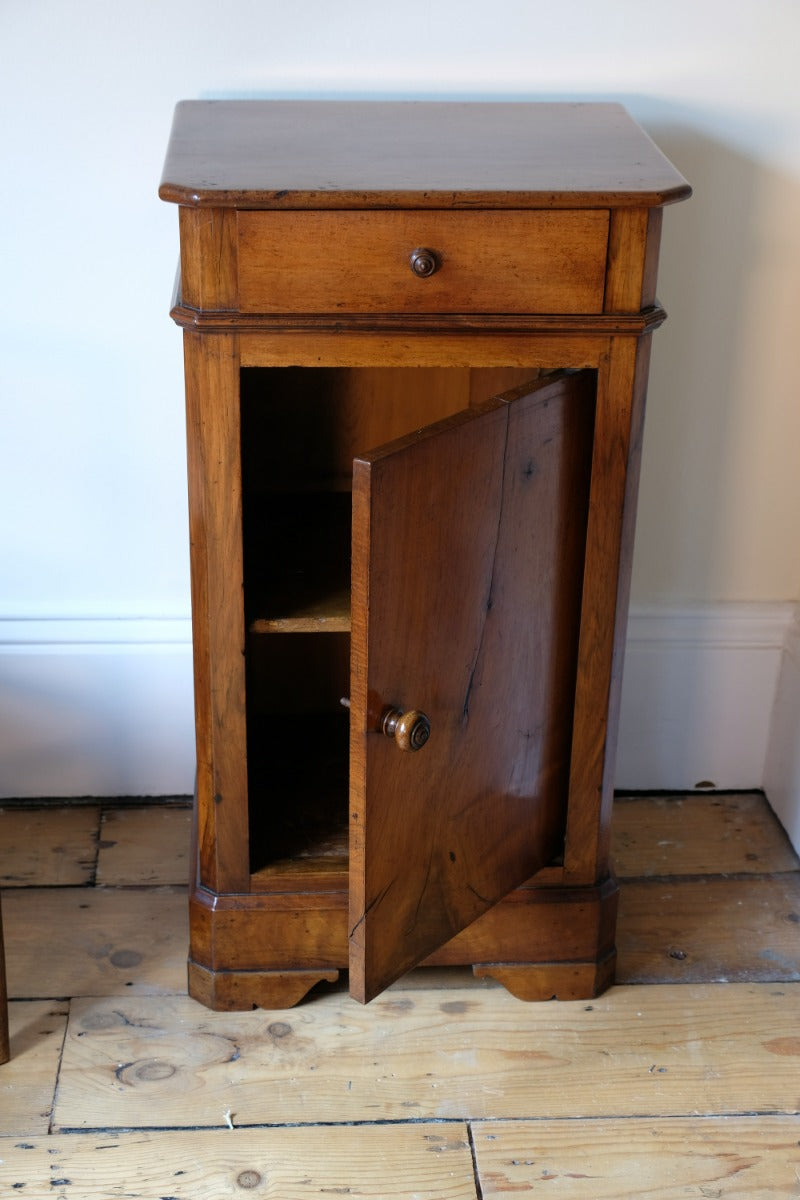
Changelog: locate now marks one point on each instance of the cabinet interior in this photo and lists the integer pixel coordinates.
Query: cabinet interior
(301, 428)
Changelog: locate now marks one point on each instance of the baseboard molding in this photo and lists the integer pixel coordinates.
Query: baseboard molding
(699, 687)
(96, 707)
(782, 771)
(104, 707)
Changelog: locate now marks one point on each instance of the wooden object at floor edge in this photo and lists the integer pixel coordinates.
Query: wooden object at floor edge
(5, 1050)
(416, 336)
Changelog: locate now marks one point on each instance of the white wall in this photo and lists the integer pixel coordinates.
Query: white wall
(92, 474)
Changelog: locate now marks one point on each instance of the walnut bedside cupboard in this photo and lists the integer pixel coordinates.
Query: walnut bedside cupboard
(416, 344)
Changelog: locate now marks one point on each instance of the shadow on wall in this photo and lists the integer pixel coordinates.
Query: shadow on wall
(699, 411)
(724, 419)
(782, 774)
(720, 487)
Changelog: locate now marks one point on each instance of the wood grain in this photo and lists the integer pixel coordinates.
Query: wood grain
(381, 1162)
(739, 1158)
(352, 347)
(48, 847)
(28, 1080)
(657, 1051)
(329, 613)
(698, 835)
(215, 529)
(616, 460)
(489, 507)
(631, 274)
(301, 429)
(306, 154)
(98, 941)
(297, 222)
(646, 1091)
(526, 262)
(208, 277)
(552, 981)
(141, 846)
(710, 929)
(239, 991)
(564, 930)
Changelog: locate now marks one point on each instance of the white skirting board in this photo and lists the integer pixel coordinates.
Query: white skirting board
(782, 772)
(96, 707)
(711, 696)
(698, 690)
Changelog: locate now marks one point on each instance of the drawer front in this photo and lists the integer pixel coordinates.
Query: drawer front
(497, 261)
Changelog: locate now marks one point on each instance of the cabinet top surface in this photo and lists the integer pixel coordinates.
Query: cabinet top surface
(412, 154)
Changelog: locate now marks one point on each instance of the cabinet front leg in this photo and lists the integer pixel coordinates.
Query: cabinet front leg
(551, 981)
(239, 991)
(619, 417)
(215, 521)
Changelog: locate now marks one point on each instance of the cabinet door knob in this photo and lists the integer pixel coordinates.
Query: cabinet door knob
(410, 730)
(424, 262)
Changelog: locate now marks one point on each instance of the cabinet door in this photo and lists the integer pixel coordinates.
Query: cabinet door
(468, 546)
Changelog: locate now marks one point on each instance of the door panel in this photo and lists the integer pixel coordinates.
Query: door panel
(468, 544)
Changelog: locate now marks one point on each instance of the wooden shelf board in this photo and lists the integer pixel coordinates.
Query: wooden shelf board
(303, 874)
(319, 614)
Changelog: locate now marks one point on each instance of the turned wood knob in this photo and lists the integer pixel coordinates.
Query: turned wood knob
(424, 262)
(410, 730)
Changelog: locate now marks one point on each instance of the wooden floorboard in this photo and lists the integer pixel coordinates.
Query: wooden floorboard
(712, 930)
(46, 847)
(279, 1164)
(95, 941)
(669, 1050)
(738, 1158)
(669, 1085)
(687, 930)
(144, 845)
(28, 1079)
(697, 835)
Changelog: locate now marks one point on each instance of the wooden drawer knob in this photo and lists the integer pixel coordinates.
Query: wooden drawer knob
(410, 730)
(424, 262)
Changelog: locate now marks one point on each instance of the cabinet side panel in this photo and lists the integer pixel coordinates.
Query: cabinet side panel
(215, 515)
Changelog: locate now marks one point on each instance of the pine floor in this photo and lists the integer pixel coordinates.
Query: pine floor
(682, 1081)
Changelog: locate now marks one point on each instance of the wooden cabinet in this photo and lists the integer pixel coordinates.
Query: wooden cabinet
(416, 345)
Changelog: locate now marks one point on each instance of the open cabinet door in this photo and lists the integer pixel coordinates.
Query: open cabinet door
(468, 547)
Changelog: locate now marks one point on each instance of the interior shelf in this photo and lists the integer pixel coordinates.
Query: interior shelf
(329, 613)
(297, 563)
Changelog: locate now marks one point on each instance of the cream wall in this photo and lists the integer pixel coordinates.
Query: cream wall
(720, 494)
(93, 539)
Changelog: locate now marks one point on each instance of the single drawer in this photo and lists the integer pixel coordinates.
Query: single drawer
(492, 261)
